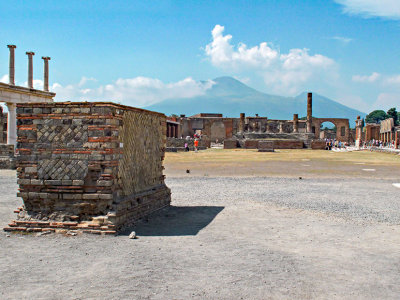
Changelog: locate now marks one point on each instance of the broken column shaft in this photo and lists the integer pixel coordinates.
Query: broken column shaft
(30, 69)
(46, 73)
(11, 76)
(309, 112)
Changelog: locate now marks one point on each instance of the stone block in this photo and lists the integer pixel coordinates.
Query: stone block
(230, 144)
(265, 146)
(251, 144)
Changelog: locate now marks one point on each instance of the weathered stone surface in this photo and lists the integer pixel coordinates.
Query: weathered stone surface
(86, 162)
(318, 145)
(265, 146)
(230, 144)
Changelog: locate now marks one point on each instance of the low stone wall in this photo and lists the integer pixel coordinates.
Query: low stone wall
(180, 143)
(230, 144)
(318, 145)
(288, 144)
(251, 144)
(7, 159)
(88, 167)
(265, 146)
(277, 144)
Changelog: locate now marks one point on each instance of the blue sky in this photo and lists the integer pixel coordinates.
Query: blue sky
(141, 52)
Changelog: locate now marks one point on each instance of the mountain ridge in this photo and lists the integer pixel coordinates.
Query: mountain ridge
(232, 97)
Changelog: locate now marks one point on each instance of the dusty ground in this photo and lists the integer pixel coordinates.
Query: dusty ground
(231, 233)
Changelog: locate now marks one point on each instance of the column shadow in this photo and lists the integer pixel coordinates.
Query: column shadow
(176, 221)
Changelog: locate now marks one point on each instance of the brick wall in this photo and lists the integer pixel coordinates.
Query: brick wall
(89, 167)
(288, 144)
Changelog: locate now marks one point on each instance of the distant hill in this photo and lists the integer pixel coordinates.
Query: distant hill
(231, 97)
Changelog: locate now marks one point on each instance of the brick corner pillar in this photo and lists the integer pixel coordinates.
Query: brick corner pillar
(46, 73)
(295, 123)
(309, 112)
(241, 122)
(396, 139)
(11, 76)
(30, 69)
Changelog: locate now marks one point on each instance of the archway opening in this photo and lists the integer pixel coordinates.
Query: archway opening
(328, 130)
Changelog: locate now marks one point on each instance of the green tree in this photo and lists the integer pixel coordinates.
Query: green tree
(392, 113)
(376, 116)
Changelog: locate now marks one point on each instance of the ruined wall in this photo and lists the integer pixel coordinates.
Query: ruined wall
(7, 160)
(93, 167)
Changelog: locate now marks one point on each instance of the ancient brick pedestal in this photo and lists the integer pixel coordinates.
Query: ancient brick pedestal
(88, 167)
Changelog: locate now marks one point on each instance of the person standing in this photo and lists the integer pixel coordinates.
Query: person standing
(196, 144)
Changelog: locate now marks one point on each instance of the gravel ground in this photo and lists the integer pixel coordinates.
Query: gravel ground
(223, 238)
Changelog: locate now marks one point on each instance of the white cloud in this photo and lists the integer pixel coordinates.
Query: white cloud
(4, 78)
(372, 8)
(385, 101)
(392, 80)
(138, 91)
(285, 73)
(344, 40)
(367, 78)
(85, 80)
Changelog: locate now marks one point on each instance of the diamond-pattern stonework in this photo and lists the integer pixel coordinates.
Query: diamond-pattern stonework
(56, 169)
(69, 135)
(88, 167)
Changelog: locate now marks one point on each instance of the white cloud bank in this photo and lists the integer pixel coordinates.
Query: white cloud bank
(284, 73)
(372, 8)
(367, 78)
(138, 91)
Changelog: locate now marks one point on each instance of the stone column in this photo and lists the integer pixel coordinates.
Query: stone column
(241, 122)
(280, 127)
(173, 130)
(358, 131)
(309, 112)
(396, 140)
(30, 69)
(12, 124)
(46, 73)
(12, 64)
(168, 130)
(295, 123)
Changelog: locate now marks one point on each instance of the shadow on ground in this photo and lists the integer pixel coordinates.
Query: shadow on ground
(176, 221)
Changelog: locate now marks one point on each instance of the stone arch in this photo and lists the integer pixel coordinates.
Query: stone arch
(342, 127)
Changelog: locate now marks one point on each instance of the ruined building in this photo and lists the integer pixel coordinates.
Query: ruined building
(248, 130)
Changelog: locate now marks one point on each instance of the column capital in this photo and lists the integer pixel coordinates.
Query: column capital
(11, 46)
(30, 53)
(11, 105)
(46, 58)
